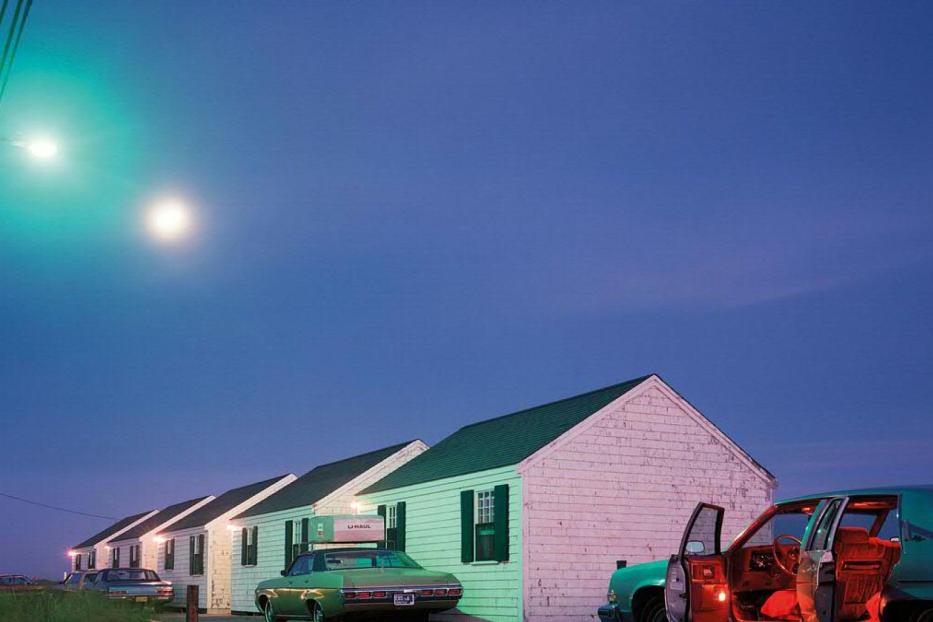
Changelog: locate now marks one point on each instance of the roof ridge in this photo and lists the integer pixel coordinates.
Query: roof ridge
(250, 485)
(363, 455)
(638, 380)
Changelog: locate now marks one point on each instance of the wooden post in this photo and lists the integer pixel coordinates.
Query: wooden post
(191, 604)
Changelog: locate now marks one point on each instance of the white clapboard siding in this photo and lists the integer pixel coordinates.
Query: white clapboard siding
(492, 590)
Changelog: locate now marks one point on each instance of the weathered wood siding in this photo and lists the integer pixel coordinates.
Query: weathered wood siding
(180, 575)
(623, 487)
(492, 590)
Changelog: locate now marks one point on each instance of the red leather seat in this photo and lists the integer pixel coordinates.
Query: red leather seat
(863, 564)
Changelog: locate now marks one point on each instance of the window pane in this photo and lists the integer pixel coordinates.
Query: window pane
(485, 541)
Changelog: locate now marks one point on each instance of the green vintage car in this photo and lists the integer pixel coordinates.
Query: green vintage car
(844, 556)
(354, 583)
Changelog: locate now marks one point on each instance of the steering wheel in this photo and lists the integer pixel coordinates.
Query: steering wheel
(792, 555)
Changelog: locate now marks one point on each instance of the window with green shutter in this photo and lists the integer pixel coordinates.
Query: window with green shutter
(196, 555)
(289, 543)
(249, 546)
(115, 557)
(92, 559)
(169, 554)
(134, 556)
(252, 552)
(400, 521)
(305, 535)
(78, 561)
(484, 524)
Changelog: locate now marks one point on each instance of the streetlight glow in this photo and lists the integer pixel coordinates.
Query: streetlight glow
(169, 220)
(42, 149)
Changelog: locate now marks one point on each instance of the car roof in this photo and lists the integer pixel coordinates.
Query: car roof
(883, 490)
(346, 549)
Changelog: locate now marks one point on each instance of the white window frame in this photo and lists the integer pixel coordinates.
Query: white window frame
(485, 507)
(392, 516)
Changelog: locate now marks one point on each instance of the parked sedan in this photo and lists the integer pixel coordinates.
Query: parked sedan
(356, 582)
(78, 580)
(18, 583)
(132, 584)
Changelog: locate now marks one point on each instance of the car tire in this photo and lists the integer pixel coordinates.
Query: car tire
(317, 614)
(924, 615)
(653, 611)
(268, 613)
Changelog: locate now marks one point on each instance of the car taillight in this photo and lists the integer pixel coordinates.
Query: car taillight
(427, 593)
(455, 592)
(165, 590)
(364, 595)
(379, 594)
(440, 592)
(349, 595)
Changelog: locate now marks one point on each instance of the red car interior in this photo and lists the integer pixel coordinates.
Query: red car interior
(864, 564)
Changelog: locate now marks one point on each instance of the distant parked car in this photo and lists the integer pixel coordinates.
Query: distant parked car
(18, 583)
(78, 580)
(833, 557)
(336, 583)
(137, 585)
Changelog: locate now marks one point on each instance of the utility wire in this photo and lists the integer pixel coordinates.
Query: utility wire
(54, 507)
(6, 48)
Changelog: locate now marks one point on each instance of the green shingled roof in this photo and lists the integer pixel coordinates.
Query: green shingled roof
(502, 441)
(162, 517)
(220, 505)
(320, 482)
(102, 536)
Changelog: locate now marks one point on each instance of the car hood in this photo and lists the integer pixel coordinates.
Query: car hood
(402, 577)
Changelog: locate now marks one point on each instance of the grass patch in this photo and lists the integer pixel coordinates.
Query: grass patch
(55, 606)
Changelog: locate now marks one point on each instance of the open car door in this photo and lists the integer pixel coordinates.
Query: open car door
(696, 589)
(816, 576)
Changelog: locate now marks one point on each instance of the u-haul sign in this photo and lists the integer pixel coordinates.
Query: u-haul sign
(359, 529)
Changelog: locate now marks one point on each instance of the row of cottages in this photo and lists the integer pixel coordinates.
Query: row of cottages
(138, 546)
(531, 510)
(95, 551)
(195, 550)
(272, 532)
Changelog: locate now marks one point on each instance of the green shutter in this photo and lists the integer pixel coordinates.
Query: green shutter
(400, 525)
(466, 526)
(254, 551)
(244, 548)
(202, 554)
(170, 554)
(501, 518)
(191, 565)
(305, 526)
(381, 511)
(289, 530)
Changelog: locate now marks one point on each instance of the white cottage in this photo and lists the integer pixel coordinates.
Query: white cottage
(270, 533)
(137, 547)
(93, 553)
(531, 510)
(195, 550)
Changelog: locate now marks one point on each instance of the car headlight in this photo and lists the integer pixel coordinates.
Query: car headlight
(611, 596)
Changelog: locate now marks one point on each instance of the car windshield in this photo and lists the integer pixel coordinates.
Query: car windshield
(371, 558)
(131, 574)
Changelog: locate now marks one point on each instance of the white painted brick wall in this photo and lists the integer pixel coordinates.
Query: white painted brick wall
(624, 489)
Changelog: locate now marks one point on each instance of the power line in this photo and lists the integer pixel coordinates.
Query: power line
(54, 507)
(6, 68)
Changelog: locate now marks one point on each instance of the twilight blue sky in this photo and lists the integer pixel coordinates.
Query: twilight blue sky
(413, 216)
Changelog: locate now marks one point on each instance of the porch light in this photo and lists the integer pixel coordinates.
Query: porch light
(159, 539)
(72, 553)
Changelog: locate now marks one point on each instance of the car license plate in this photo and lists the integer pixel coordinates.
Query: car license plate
(404, 600)
(141, 599)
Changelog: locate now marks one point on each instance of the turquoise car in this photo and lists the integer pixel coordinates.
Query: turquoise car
(845, 556)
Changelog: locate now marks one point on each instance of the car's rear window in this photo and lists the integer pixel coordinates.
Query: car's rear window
(131, 574)
(367, 558)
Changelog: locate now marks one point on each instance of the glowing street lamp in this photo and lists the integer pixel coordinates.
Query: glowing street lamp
(169, 220)
(42, 149)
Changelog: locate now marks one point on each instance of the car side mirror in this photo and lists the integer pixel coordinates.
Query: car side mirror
(283, 573)
(695, 547)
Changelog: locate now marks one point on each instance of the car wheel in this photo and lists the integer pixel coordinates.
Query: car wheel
(268, 613)
(653, 611)
(317, 614)
(924, 616)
